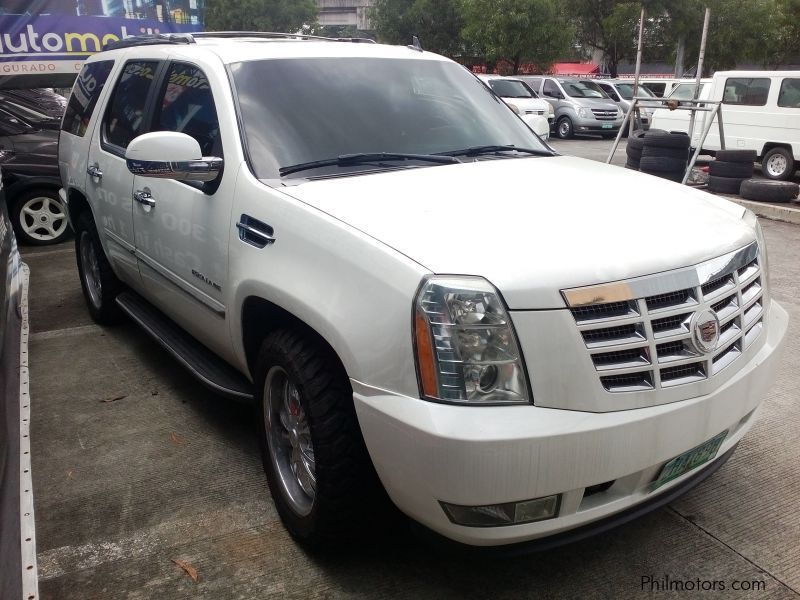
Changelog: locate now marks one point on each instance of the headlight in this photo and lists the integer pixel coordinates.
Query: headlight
(582, 112)
(467, 352)
(550, 110)
(513, 107)
(751, 219)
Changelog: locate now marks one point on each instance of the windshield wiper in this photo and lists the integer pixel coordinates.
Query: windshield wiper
(491, 149)
(346, 160)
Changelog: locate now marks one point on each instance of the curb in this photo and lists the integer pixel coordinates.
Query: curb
(789, 212)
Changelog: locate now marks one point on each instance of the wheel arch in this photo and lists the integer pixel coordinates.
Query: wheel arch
(770, 145)
(260, 317)
(21, 185)
(77, 203)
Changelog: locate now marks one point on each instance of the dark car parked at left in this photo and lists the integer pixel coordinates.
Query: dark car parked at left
(29, 122)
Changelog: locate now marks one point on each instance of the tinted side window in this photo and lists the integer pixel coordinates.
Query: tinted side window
(83, 98)
(746, 91)
(789, 96)
(550, 88)
(125, 114)
(187, 106)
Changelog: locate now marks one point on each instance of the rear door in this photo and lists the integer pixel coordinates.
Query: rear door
(109, 184)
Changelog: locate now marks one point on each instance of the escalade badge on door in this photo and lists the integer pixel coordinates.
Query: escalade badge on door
(705, 330)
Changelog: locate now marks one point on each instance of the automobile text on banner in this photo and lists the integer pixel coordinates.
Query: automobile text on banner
(48, 40)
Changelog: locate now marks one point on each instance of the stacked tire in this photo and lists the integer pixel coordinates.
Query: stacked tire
(729, 170)
(769, 190)
(634, 149)
(664, 154)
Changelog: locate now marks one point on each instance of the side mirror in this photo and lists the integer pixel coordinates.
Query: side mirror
(170, 155)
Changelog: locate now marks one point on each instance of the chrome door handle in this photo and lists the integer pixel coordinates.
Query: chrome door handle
(94, 171)
(144, 197)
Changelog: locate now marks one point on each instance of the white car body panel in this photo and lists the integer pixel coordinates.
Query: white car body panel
(413, 204)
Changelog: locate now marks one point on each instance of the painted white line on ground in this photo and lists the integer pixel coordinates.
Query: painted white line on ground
(30, 577)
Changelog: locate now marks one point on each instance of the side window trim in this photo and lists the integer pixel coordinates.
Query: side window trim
(149, 102)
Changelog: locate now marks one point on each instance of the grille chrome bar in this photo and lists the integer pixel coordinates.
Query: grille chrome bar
(645, 343)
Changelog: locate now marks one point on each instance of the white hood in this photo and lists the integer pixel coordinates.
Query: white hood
(534, 226)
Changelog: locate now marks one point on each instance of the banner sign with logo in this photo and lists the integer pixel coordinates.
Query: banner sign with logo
(49, 39)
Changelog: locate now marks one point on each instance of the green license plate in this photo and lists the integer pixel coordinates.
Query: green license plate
(607, 125)
(690, 460)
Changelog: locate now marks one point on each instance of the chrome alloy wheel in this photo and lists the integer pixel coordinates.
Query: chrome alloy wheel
(289, 440)
(91, 269)
(777, 165)
(42, 218)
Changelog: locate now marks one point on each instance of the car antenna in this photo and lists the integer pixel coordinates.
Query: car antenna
(415, 44)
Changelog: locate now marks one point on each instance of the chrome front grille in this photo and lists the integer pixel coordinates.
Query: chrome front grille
(604, 115)
(646, 342)
(534, 112)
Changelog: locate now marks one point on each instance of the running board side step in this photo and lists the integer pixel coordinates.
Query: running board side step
(211, 370)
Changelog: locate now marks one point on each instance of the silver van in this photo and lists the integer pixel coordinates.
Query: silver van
(621, 92)
(579, 107)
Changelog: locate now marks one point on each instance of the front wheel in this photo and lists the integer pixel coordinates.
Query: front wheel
(320, 476)
(564, 128)
(778, 163)
(39, 218)
(99, 284)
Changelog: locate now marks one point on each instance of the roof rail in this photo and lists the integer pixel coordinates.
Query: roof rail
(149, 40)
(278, 35)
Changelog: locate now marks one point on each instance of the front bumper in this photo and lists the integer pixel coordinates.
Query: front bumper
(427, 453)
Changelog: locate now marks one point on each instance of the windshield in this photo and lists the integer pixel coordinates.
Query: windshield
(301, 110)
(583, 89)
(511, 88)
(685, 91)
(626, 91)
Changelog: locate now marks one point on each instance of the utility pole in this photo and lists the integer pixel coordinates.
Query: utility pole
(636, 118)
(700, 58)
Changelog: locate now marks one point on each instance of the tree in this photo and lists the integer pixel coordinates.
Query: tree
(517, 31)
(288, 16)
(437, 23)
(611, 26)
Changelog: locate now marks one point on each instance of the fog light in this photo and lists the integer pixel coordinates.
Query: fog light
(510, 513)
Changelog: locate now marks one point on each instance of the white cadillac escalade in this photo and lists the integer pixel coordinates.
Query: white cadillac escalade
(420, 296)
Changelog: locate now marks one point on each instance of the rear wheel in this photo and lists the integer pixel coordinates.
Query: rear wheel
(320, 476)
(99, 284)
(40, 218)
(778, 163)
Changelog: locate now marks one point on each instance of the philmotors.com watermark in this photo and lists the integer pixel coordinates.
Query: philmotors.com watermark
(665, 583)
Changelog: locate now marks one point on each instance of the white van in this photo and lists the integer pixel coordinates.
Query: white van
(760, 111)
(678, 120)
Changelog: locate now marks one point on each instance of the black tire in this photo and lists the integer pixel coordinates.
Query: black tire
(737, 170)
(631, 163)
(633, 152)
(724, 185)
(767, 190)
(348, 499)
(47, 225)
(666, 140)
(636, 140)
(102, 306)
(772, 161)
(736, 156)
(564, 128)
(662, 164)
(681, 154)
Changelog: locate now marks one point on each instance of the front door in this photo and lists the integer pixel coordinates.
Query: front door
(182, 233)
(109, 183)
